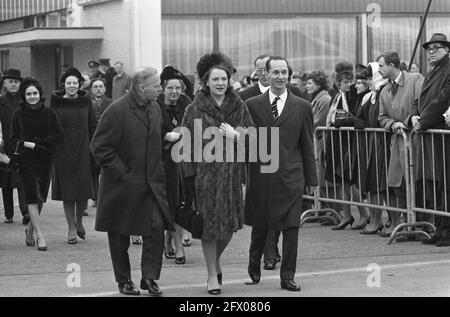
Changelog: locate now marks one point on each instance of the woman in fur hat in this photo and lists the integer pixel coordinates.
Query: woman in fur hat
(215, 186)
(72, 180)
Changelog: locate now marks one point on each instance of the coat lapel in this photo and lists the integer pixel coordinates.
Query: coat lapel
(265, 109)
(433, 76)
(289, 107)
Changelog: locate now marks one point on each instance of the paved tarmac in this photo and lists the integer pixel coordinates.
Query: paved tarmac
(330, 263)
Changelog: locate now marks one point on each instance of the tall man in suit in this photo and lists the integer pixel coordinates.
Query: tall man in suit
(271, 252)
(132, 195)
(274, 200)
(9, 102)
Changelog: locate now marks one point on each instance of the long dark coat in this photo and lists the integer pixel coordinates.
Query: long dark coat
(433, 102)
(127, 146)
(218, 189)
(8, 105)
(172, 116)
(274, 200)
(371, 151)
(72, 180)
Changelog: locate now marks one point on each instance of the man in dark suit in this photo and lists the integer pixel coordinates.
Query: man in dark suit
(99, 104)
(132, 195)
(107, 72)
(271, 252)
(427, 114)
(274, 200)
(9, 102)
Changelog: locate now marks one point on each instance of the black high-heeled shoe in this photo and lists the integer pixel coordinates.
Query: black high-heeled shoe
(380, 227)
(81, 234)
(344, 224)
(363, 224)
(180, 260)
(29, 243)
(44, 248)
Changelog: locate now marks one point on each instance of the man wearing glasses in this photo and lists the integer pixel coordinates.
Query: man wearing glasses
(427, 114)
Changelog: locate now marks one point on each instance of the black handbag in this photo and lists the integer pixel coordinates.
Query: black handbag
(190, 219)
(343, 119)
(10, 164)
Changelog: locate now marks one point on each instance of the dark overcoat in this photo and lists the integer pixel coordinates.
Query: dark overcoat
(8, 105)
(274, 200)
(219, 196)
(433, 102)
(72, 180)
(172, 117)
(127, 147)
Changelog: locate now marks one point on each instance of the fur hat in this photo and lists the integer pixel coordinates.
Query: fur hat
(213, 59)
(72, 71)
(170, 72)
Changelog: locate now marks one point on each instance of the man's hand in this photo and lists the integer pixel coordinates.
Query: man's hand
(29, 145)
(415, 123)
(229, 132)
(398, 127)
(172, 137)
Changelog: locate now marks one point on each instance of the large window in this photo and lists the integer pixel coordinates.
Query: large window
(395, 34)
(308, 43)
(184, 41)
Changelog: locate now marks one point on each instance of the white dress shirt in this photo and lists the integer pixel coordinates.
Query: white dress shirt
(281, 102)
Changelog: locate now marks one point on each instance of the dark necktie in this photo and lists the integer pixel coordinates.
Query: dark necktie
(394, 87)
(274, 108)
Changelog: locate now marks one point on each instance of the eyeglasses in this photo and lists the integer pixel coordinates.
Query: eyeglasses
(433, 49)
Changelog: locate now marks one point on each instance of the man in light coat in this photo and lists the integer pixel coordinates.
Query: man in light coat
(132, 196)
(396, 100)
(274, 200)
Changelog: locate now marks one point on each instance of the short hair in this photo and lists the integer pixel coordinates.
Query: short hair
(183, 85)
(319, 78)
(275, 58)
(205, 88)
(344, 75)
(141, 74)
(28, 82)
(263, 56)
(390, 57)
(95, 80)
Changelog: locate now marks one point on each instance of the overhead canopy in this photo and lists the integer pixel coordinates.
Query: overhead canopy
(43, 36)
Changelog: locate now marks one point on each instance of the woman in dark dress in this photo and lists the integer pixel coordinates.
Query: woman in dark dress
(72, 178)
(36, 129)
(338, 152)
(173, 102)
(369, 173)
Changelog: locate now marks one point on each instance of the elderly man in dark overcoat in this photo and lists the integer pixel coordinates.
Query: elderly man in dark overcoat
(9, 103)
(428, 113)
(132, 197)
(274, 198)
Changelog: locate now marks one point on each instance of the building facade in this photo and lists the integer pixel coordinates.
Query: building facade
(39, 36)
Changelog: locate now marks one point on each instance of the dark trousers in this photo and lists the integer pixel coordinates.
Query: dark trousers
(8, 200)
(152, 250)
(271, 249)
(289, 251)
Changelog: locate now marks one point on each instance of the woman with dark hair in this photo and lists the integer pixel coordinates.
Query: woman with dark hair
(173, 102)
(72, 180)
(317, 89)
(35, 130)
(337, 156)
(369, 168)
(215, 186)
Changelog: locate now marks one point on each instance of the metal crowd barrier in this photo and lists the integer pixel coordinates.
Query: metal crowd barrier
(429, 170)
(346, 168)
